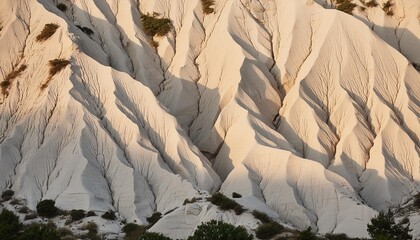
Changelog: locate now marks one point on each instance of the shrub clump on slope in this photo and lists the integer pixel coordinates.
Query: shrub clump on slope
(226, 203)
(217, 230)
(47, 32)
(9, 77)
(56, 65)
(46, 208)
(154, 26)
(345, 6)
(207, 6)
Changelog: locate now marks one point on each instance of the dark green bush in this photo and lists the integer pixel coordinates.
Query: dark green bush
(264, 218)
(340, 236)
(62, 7)
(91, 214)
(46, 208)
(268, 230)
(14, 202)
(9, 225)
(207, 6)
(92, 229)
(133, 231)
(40, 232)
(383, 225)
(405, 220)
(47, 32)
(236, 195)
(7, 194)
(30, 216)
(307, 235)
(238, 210)
(77, 215)
(23, 209)
(154, 26)
(217, 230)
(63, 232)
(153, 236)
(222, 201)
(110, 215)
(154, 218)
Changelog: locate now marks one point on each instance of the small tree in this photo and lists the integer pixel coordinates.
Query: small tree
(383, 227)
(268, 230)
(218, 230)
(46, 208)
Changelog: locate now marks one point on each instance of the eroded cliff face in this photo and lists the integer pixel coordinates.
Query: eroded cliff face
(303, 110)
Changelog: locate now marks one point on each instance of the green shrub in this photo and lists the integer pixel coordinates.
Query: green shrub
(91, 214)
(47, 32)
(264, 218)
(207, 6)
(91, 227)
(405, 220)
(63, 232)
(9, 225)
(345, 6)
(30, 216)
(40, 232)
(383, 225)
(133, 231)
(268, 230)
(110, 215)
(62, 7)
(46, 208)
(14, 202)
(154, 26)
(154, 218)
(153, 236)
(236, 195)
(238, 209)
(7, 194)
(307, 235)
(77, 215)
(23, 209)
(217, 230)
(222, 201)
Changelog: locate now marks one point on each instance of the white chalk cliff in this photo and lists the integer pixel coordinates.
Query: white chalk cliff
(302, 109)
